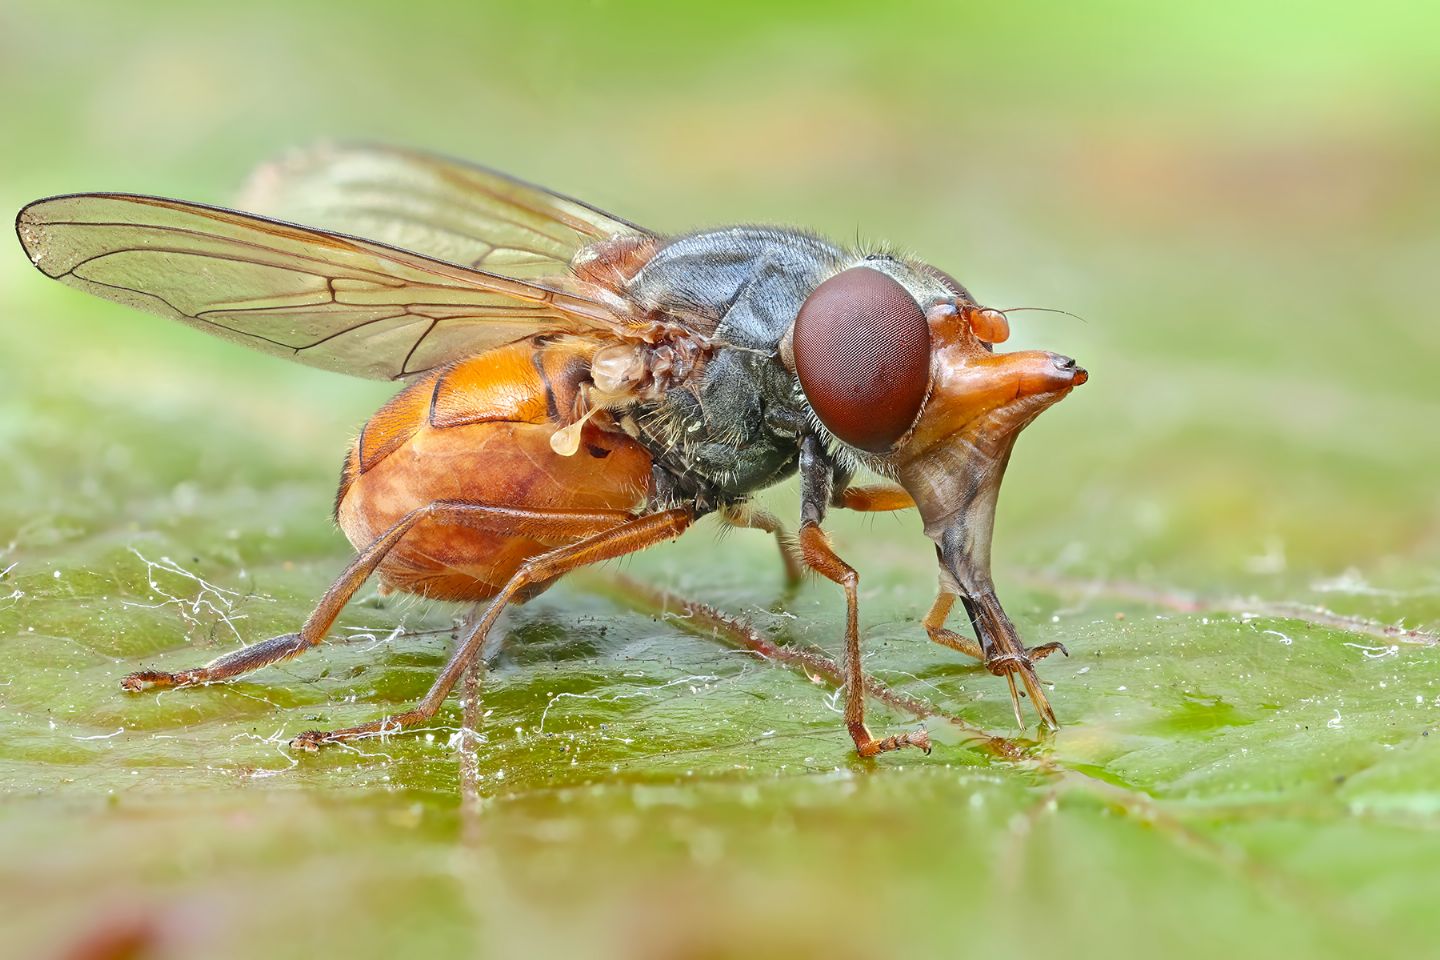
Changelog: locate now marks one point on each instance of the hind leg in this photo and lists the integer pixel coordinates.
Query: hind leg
(539, 524)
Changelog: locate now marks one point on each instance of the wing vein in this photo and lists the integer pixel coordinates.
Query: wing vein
(481, 258)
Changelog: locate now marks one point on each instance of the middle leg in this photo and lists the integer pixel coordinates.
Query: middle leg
(821, 557)
(817, 477)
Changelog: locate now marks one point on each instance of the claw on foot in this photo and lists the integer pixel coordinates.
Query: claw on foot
(309, 741)
(1044, 650)
(312, 740)
(919, 739)
(143, 679)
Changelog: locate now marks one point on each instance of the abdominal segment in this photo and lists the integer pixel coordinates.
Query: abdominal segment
(478, 431)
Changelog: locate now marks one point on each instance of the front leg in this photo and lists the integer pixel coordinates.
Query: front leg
(875, 499)
(1007, 661)
(817, 478)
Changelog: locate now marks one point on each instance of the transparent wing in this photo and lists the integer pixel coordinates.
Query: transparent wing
(433, 205)
(329, 301)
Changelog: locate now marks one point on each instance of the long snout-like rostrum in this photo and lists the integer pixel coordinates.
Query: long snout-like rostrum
(952, 464)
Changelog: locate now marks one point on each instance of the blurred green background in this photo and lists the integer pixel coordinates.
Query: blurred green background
(1235, 525)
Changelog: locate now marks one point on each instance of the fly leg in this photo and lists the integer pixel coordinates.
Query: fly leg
(935, 627)
(816, 478)
(998, 648)
(1003, 655)
(560, 525)
(820, 557)
(626, 537)
(874, 499)
(753, 518)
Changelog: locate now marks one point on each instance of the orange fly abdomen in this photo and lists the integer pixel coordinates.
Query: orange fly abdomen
(478, 431)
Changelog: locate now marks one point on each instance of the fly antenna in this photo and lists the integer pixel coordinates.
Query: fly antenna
(1067, 313)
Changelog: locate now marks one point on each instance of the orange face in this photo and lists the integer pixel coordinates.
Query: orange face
(978, 402)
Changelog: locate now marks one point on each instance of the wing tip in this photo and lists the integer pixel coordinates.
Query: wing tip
(30, 229)
(33, 224)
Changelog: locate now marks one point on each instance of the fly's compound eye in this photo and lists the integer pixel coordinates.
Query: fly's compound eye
(861, 346)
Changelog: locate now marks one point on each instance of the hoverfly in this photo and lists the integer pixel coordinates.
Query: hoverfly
(578, 388)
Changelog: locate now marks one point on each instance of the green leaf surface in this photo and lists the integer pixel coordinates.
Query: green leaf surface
(1234, 527)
